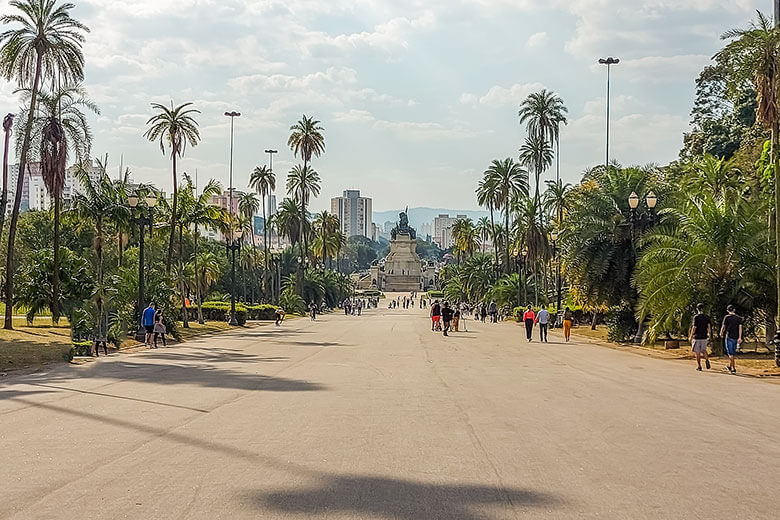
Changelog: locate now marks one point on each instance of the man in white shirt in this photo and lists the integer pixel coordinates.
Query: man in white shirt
(542, 318)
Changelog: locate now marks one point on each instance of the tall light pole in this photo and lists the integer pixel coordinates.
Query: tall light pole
(554, 236)
(608, 62)
(230, 240)
(142, 219)
(271, 153)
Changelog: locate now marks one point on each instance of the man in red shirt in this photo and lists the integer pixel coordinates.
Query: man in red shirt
(528, 318)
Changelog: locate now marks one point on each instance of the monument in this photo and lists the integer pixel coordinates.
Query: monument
(402, 271)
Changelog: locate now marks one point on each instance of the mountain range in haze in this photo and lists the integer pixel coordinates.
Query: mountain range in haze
(419, 216)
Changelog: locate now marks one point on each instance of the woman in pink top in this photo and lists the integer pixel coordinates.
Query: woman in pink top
(528, 318)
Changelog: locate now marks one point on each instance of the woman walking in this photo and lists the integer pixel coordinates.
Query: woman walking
(528, 318)
(568, 319)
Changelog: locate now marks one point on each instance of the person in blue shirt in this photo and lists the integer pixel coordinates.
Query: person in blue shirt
(147, 320)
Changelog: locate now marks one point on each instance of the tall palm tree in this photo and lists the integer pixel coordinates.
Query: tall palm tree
(248, 205)
(8, 123)
(543, 113)
(536, 154)
(328, 238)
(287, 221)
(483, 230)
(303, 182)
(306, 140)
(97, 202)
(753, 56)
(488, 196)
(466, 237)
(59, 126)
(263, 180)
(44, 44)
(511, 181)
(175, 127)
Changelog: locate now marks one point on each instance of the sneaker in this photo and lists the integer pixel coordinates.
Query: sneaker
(698, 368)
(734, 370)
(707, 362)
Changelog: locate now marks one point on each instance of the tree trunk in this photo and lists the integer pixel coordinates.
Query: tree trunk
(506, 219)
(4, 195)
(120, 247)
(593, 321)
(493, 231)
(173, 221)
(198, 295)
(55, 278)
(184, 321)
(776, 171)
(99, 254)
(10, 266)
(266, 234)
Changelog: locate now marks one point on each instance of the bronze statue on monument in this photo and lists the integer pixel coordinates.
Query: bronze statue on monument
(403, 227)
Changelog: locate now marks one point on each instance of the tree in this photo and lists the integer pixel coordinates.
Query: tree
(306, 141)
(510, 181)
(288, 221)
(263, 180)
(303, 182)
(543, 113)
(753, 56)
(174, 127)
(536, 154)
(466, 237)
(329, 239)
(488, 195)
(59, 126)
(248, 204)
(8, 123)
(46, 43)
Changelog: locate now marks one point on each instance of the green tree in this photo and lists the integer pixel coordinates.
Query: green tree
(174, 127)
(263, 180)
(543, 113)
(510, 181)
(488, 195)
(44, 44)
(303, 183)
(8, 123)
(536, 154)
(59, 126)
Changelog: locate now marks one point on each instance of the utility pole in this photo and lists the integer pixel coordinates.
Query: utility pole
(777, 12)
(609, 62)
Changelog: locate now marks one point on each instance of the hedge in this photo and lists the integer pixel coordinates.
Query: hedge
(220, 311)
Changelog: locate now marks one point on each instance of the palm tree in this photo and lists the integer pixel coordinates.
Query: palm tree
(466, 237)
(183, 275)
(306, 140)
(329, 237)
(483, 231)
(174, 127)
(544, 112)
(263, 180)
(8, 123)
(753, 56)
(511, 181)
(59, 125)
(248, 205)
(303, 182)
(46, 43)
(536, 154)
(488, 195)
(287, 221)
(98, 203)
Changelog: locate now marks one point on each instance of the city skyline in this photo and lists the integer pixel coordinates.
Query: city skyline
(411, 92)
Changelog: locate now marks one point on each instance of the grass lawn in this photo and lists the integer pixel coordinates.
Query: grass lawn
(197, 329)
(33, 345)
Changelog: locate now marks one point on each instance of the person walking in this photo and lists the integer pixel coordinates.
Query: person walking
(483, 312)
(159, 330)
(731, 330)
(456, 317)
(568, 320)
(446, 316)
(279, 316)
(701, 330)
(543, 318)
(463, 311)
(493, 311)
(435, 315)
(313, 311)
(528, 318)
(147, 320)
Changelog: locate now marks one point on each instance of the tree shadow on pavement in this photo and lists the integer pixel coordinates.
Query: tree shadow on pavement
(371, 496)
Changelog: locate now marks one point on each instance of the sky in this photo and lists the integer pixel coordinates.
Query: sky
(416, 96)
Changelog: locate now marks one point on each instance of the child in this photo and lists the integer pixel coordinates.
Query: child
(159, 330)
(280, 316)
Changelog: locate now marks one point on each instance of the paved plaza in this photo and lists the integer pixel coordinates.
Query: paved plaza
(376, 417)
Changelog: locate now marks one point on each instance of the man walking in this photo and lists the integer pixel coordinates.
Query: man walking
(701, 330)
(446, 316)
(528, 319)
(731, 330)
(543, 318)
(435, 315)
(493, 311)
(147, 320)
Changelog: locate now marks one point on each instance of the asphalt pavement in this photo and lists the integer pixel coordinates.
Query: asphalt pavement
(377, 417)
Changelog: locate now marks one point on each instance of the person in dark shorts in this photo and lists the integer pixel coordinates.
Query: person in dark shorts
(446, 317)
(435, 316)
(147, 320)
(483, 312)
(701, 330)
(731, 330)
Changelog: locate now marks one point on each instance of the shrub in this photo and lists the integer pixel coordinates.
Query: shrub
(264, 311)
(621, 324)
(436, 294)
(80, 348)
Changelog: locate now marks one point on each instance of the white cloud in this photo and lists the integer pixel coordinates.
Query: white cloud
(414, 131)
(537, 39)
(353, 116)
(498, 96)
(662, 69)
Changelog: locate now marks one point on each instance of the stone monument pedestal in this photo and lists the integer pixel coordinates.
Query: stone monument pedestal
(403, 268)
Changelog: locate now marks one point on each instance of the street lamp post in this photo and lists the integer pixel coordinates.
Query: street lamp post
(142, 219)
(554, 236)
(608, 62)
(230, 242)
(267, 235)
(636, 230)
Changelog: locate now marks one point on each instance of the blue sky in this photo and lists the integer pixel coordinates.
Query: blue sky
(416, 97)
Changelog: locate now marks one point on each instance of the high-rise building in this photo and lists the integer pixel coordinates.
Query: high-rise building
(354, 212)
(442, 229)
(223, 201)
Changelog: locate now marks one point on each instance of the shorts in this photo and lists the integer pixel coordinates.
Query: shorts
(700, 346)
(435, 318)
(731, 346)
(149, 328)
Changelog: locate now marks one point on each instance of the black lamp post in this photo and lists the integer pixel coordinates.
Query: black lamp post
(554, 236)
(142, 217)
(638, 225)
(608, 62)
(233, 244)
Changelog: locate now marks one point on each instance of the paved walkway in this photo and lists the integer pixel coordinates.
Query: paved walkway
(375, 417)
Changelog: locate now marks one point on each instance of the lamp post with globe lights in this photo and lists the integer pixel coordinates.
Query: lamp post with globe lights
(142, 216)
(638, 226)
(233, 244)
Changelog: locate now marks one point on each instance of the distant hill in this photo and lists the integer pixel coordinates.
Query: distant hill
(418, 216)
